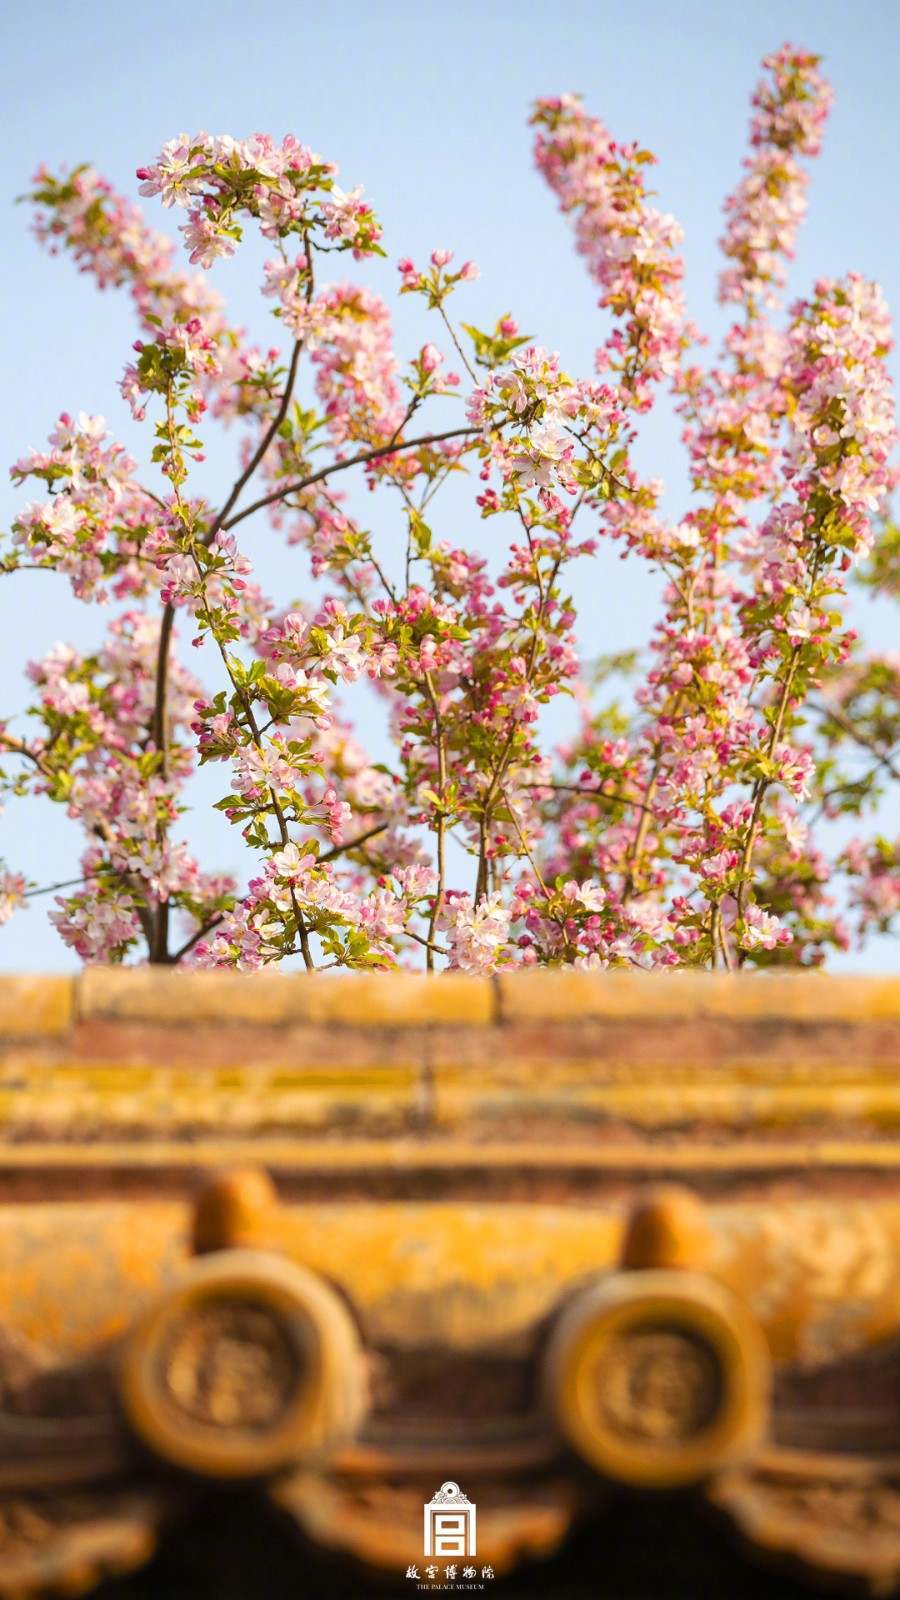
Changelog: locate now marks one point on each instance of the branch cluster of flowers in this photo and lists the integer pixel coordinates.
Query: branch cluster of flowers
(697, 819)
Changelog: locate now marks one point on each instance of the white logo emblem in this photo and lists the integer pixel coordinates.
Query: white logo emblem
(449, 1523)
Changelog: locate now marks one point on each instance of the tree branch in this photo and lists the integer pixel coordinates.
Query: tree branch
(67, 883)
(196, 936)
(364, 456)
(353, 844)
(263, 445)
(884, 757)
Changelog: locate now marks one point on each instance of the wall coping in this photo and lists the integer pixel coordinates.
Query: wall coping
(48, 1006)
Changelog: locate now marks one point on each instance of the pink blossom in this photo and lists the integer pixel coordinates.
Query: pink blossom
(476, 933)
(12, 893)
(762, 931)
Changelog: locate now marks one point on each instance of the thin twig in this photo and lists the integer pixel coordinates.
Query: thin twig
(437, 948)
(525, 847)
(614, 796)
(353, 844)
(263, 445)
(437, 904)
(204, 928)
(884, 757)
(762, 785)
(359, 460)
(50, 888)
(459, 349)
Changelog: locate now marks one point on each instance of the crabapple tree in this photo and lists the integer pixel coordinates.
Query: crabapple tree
(691, 821)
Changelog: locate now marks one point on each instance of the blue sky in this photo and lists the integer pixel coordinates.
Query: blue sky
(426, 105)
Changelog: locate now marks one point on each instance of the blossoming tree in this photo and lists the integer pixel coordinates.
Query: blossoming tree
(689, 826)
